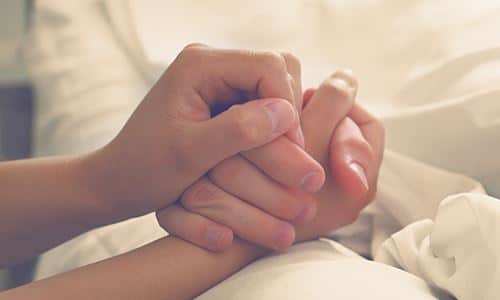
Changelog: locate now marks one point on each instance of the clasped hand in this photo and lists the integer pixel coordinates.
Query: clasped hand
(226, 143)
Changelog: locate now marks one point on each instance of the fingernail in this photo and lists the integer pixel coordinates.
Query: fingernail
(360, 172)
(312, 182)
(281, 115)
(341, 83)
(284, 236)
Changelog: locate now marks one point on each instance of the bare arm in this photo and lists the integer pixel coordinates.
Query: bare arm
(168, 143)
(169, 268)
(44, 202)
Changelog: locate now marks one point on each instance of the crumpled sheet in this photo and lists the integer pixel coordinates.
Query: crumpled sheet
(321, 270)
(446, 235)
(439, 101)
(457, 252)
(447, 242)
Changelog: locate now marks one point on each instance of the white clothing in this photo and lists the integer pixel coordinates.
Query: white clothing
(431, 74)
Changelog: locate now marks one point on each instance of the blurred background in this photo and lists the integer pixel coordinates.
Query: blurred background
(429, 68)
(15, 91)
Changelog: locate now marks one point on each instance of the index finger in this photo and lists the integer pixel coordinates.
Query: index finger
(356, 151)
(295, 79)
(221, 75)
(372, 129)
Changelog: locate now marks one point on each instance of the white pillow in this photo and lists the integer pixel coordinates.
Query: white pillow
(320, 270)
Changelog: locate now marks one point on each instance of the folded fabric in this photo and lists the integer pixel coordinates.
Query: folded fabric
(458, 252)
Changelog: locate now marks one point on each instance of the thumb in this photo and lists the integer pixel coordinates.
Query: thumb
(240, 128)
(329, 105)
(352, 160)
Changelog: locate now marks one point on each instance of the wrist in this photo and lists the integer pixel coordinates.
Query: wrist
(99, 187)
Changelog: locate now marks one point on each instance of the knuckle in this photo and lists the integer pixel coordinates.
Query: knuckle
(191, 53)
(333, 88)
(286, 208)
(194, 45)
(245, 129)
(292, 60)
(226, 171)
(346, 75)
(201, 195)
(200, 232)
(181, 153)
(274, 60)
(196, 233)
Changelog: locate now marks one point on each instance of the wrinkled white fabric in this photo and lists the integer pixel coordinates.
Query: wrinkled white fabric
(320, 270)
(430, 74)
(458, 251)
(433, 76)
(408, 191)
(85, 84)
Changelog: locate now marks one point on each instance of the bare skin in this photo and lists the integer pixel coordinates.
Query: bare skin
(157, 154)
(160, 270)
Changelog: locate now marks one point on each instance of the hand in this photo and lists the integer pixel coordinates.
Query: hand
(173, 139)
(350, 148)
(343, 136)
(278, 162)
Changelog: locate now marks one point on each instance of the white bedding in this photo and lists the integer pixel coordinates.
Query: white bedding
(432, 75)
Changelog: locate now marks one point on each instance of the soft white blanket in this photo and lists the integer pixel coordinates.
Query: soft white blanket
(431, 74)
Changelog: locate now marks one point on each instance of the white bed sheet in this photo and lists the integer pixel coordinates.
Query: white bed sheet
(431, 75)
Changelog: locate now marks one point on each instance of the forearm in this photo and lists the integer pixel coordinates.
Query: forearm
(169, 268)
(44, 202)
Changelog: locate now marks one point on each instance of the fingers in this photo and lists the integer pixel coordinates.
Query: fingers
(221, 70)
(372, 129)
(219, 76)
(335, 98)
(329, 105)
(248, 222)
(288, 164)
(295, 80)
(356, 146)
(240, 128)
(176, 220)
(283, 161)
(295, 77)
(307, 96)
(352, 160)
(240, 178)
(373, 133)
(356, 153)
(271, 75)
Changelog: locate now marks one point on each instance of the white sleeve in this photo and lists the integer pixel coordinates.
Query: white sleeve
(86, 88)
(86, 85)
